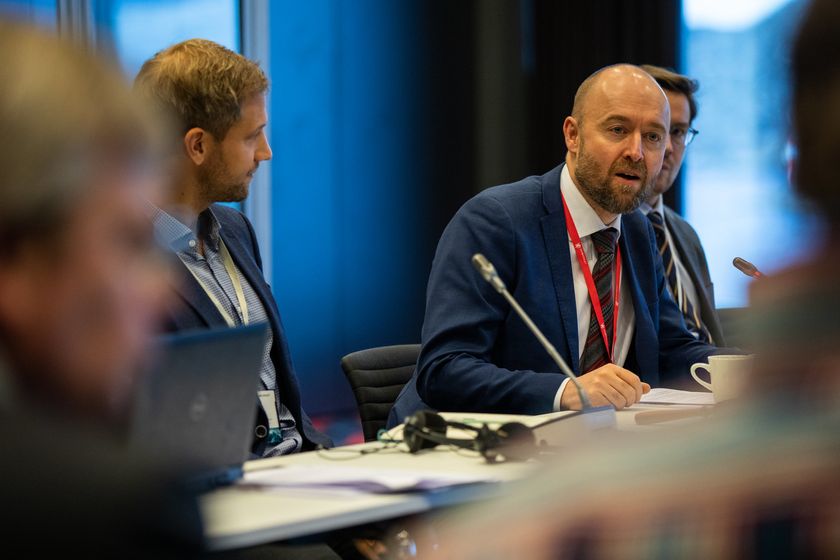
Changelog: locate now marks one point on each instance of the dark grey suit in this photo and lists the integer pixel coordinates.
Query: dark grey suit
(691, 255)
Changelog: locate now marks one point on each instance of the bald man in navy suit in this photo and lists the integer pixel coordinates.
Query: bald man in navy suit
(570, 245)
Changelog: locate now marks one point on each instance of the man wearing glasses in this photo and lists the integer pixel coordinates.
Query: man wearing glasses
(682, 253)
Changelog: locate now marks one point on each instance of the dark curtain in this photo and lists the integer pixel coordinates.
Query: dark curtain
(573, 39)
(502, 75)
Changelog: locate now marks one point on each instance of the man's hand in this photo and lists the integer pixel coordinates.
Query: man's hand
(608, 384)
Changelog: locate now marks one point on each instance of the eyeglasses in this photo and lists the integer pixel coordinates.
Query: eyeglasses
(683, 136)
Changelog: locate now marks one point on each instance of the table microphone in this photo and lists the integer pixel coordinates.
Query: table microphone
(746, 267)
(488, 272)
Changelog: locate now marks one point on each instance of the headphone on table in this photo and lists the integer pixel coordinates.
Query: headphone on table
(513, 440)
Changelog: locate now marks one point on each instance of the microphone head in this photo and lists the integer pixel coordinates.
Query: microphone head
(746, 267)
(488, 271)
(483, 266)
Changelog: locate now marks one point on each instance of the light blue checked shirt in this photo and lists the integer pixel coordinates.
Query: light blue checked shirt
(210, 269)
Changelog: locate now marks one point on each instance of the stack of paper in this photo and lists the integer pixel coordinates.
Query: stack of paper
(343, 477)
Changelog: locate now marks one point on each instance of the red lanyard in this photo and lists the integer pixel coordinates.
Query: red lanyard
(590, 283)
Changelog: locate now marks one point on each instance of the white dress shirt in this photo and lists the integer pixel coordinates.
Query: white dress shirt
(685, 285)
(587, 222)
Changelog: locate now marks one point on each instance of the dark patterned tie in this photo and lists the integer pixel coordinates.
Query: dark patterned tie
(692, 319)
(595, 353)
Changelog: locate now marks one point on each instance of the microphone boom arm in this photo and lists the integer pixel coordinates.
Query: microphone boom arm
(488, 272)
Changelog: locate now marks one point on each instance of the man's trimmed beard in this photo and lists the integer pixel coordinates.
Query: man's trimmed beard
(619, 199)
(216, 182)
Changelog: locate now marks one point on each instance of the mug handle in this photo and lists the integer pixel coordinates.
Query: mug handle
(705, 367)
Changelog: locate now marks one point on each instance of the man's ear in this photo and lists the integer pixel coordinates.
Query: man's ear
(196, 144)
(571, 133)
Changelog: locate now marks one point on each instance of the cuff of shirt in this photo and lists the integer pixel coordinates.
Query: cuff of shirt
(559, 394)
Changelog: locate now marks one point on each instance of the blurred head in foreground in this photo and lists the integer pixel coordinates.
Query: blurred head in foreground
(795, 315)
(79, 283)
(815, 71)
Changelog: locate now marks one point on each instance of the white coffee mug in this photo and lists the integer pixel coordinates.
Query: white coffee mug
(728, 375)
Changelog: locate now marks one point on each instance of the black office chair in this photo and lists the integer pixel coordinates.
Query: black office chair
(377, 376)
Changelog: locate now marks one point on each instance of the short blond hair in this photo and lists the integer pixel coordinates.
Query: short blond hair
(201, 84)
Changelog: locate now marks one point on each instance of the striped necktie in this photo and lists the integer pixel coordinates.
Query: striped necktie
(692, 318)
(595, 353)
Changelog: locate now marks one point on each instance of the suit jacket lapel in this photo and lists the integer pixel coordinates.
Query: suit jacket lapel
(556, 247)
(687, 251)
(645, 334)
(193, 294)
(690, 263)
(251, 272)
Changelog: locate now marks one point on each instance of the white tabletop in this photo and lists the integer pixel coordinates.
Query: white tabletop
(239, 516)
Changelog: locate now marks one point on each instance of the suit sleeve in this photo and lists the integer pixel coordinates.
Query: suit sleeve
(465, 316)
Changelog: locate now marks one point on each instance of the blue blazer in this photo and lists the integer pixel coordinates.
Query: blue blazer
(196, 311)
(477, 353)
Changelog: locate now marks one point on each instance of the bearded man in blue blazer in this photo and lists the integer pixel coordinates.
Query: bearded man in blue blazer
(578, 257)
(217, 99)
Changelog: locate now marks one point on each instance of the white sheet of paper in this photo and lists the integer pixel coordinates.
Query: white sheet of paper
(675, 396)
(343, 477)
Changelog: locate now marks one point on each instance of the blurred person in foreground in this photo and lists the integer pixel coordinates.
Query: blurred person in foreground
(761, 479)
(80, 291)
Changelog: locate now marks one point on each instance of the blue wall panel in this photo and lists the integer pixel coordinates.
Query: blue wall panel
(346, 196)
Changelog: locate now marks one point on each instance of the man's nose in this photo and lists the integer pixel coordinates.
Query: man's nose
(264, 151)
(634, 149)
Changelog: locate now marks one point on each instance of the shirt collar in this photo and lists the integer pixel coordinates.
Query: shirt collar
(176, 236)
(658, 207)
(586, 219)
(209, 229)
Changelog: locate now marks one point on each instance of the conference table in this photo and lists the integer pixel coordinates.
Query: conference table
(285, 498)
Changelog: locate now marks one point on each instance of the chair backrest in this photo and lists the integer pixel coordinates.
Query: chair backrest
(377, 376)
(732, 322)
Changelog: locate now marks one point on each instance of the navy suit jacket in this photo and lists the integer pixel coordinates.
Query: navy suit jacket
(478, 355)
(196, 311)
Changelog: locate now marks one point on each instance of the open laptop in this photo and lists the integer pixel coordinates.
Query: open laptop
(198, 403)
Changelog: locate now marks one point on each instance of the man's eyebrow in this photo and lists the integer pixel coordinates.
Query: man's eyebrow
(617, 118)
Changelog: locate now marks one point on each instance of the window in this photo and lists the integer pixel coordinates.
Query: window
(38, 12)
(141, 27)
(737, 192)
